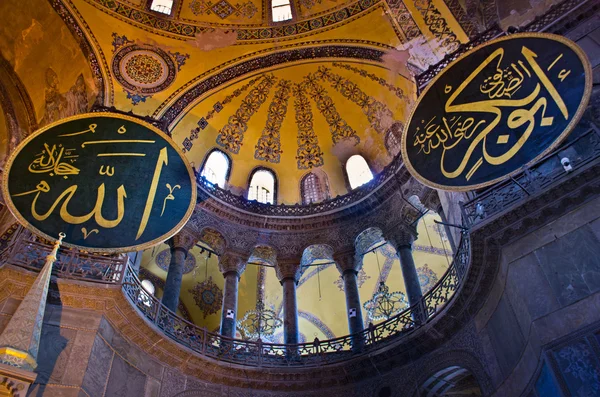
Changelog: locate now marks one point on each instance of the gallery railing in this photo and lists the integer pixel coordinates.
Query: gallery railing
(335, 203)
(27, 251)
(258, 353)
(578, 152)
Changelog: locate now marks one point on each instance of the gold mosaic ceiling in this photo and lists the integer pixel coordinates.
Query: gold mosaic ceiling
(296, 97)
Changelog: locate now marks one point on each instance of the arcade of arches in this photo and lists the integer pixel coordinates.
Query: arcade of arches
(314, 264)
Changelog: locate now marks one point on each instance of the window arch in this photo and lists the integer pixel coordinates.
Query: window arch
(216, 168)
(162, 6)
(281, 10)
(263, 186)
(358, 171)
(311, 189)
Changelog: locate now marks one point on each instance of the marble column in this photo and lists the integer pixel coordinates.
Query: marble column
(232, 266)
(402, 241)
(180, 245)
(349, 267)
(288, 275)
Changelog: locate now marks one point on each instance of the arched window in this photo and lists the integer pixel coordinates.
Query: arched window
(281, 10)
(262, 186)
(216, 168)
(358, 171)
(311, 189)
(162, 6)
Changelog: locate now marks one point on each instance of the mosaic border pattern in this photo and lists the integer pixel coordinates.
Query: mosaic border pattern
(169, 25)
(255, 64)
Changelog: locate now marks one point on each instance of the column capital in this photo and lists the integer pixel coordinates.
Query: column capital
(232, 262)
(400, 236)
(288, 270)
(347, 261)
(184, 240)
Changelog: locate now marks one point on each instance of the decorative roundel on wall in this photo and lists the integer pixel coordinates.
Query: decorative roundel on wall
(163, 259)
(143, 69)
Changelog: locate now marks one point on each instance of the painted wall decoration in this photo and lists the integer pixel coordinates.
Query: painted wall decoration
(427, 277)
(110, 182)
(384, 83)
(163, 260)
(208, 296)
(231, 135)
(378, 114)
(340, 130)
(60, 105)
(437, 24)
(308, 154)
(268, 147)
(143, 70)
(224, 9)
(495, 110)
(188, 142)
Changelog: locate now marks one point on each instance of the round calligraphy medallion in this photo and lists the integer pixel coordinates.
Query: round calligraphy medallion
(496, 110)
(111, 183)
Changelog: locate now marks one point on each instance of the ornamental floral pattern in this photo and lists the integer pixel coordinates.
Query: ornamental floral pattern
(378, 114)
(268, 147)
(361, 278)
(223, 8)
(437, 24)
(427, 278)
(308, 154)
(379, 80)
(217, 107)
(340, 130)
(208, 296)
(403, 18)
(231, 135)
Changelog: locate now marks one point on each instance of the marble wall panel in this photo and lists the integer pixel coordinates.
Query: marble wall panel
(572, 265)
(125, 380)
(529, 291)
(96, 376)
(505, 336)
(54, 353)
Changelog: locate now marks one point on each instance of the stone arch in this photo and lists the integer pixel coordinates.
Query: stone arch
(214, 239)
(368, 239)
(316, 252)
(444, 370)
(263, 254)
